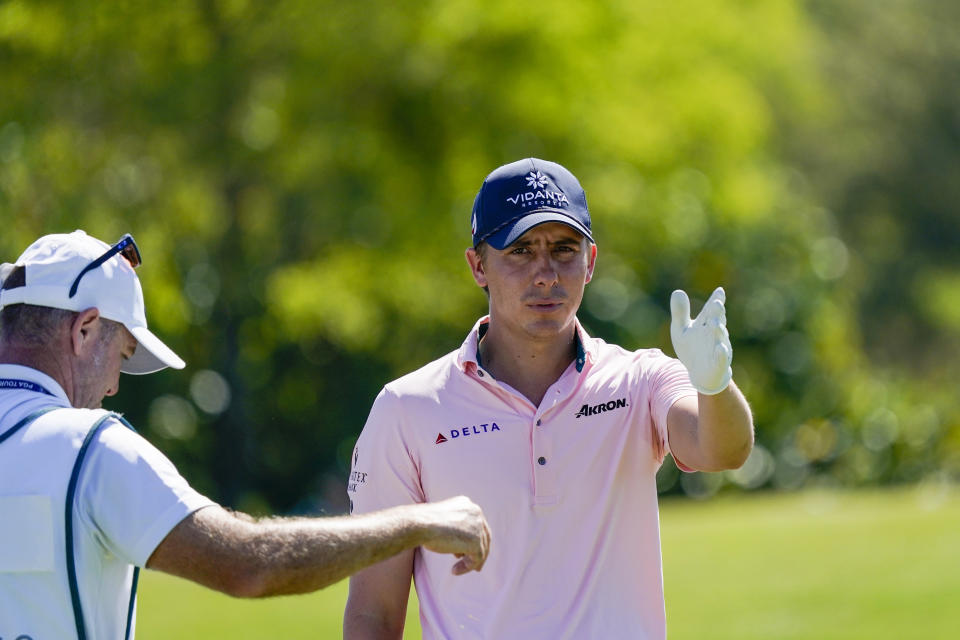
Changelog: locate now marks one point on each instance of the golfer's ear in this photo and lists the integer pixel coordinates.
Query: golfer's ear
(476, 266)
(591, 265)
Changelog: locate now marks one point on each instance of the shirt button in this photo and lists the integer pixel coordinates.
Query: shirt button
(480, 373)
(542, 461)
(538, 422)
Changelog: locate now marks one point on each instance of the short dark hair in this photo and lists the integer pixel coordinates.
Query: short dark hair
(32, 325)
(35, 326)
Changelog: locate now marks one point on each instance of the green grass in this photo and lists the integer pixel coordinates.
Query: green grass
(813, 565)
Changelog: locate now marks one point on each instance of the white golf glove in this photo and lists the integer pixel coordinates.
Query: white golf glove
(703, 345)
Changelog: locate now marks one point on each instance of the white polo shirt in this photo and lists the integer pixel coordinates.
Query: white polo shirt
(128, 497)
(569, 490)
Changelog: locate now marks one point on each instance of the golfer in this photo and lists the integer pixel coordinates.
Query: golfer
(85, 501)
(555, 434)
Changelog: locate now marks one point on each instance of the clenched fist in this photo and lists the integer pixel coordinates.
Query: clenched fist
(457, 526)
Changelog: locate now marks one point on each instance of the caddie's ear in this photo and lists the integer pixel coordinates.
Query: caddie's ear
(85, 329)
(592, 263)
(476, 266)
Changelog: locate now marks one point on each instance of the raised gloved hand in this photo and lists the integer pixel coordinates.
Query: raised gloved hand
(703, 345)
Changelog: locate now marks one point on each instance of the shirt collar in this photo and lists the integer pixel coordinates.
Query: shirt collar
(469, 354)
(20, 372)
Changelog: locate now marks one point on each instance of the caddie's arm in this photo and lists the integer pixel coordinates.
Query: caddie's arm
(249, 558)
(714, 430)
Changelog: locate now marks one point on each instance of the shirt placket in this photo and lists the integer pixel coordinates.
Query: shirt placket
(546, 486)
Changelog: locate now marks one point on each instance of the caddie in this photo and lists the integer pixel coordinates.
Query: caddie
(85, 501)
(557, 435)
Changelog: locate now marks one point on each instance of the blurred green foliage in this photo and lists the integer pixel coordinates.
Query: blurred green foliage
(299, 177)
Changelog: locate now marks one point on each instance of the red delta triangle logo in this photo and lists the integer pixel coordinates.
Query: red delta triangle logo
(440, 439)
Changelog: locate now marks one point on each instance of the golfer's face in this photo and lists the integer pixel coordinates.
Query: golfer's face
(536, 284)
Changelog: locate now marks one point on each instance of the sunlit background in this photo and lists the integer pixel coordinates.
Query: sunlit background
(299, 177)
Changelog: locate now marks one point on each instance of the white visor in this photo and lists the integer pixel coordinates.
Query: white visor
(151, 354)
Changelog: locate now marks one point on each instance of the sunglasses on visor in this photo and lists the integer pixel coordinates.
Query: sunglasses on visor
(125, 247)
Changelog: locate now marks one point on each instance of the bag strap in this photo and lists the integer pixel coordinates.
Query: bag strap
(68, 520)
(30, 418)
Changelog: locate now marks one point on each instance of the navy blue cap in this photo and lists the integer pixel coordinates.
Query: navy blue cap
(518, 196)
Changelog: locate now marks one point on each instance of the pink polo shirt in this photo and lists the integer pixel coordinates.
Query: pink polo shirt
(568, 488)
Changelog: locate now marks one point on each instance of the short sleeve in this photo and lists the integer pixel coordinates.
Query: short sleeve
(383, 472)
(669, 381)
(131, 494)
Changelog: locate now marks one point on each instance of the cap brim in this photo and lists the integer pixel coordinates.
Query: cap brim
(151, 354)
(512, 232)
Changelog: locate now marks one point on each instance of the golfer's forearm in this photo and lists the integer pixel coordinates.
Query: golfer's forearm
(724, 429)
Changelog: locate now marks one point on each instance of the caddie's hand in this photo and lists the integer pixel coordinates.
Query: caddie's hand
(703, 344)
(460, 528)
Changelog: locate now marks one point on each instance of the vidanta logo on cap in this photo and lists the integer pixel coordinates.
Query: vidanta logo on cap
(540, 195)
